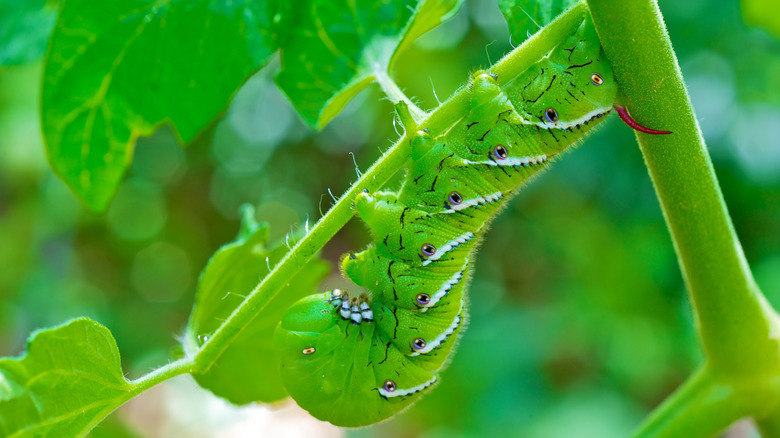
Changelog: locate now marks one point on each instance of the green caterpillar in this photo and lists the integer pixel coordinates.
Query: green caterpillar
(354, 361)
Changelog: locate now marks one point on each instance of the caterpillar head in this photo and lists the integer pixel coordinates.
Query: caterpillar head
(568, 92)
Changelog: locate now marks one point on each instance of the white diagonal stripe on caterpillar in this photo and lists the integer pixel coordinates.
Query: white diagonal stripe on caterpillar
(513, 162)
(409, 391)
(429, 346)
(446, 288)
(566, 125)
(460, 240)
(493, 197)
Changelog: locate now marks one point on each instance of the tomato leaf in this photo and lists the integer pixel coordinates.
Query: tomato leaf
(339, 47)
(69, 379)
(247, 370)
(116, 72)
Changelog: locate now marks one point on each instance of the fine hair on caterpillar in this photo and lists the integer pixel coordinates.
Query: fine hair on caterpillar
(357, 360)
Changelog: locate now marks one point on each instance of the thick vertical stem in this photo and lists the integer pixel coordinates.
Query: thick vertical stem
(736, 326)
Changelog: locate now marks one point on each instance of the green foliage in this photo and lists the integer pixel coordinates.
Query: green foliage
(339, 51)
(247, 370)
(579, 271)
(525, 17)
(116, 72)
(69, 379)
(24, 30)
(79, 361)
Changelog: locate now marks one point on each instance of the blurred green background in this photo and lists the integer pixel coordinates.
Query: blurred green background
(579, 319)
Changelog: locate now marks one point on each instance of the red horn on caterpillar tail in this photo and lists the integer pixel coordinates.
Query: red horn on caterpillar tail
(623, 113)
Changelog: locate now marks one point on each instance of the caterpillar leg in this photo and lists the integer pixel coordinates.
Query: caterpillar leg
(421, 144)
(488, 100)
(405, 115)
(366, 206)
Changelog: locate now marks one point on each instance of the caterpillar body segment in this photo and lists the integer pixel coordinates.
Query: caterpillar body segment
(351, 366)
(435, 289)
(427, 352)
(574, 81)
(355, 361)
(401, 231)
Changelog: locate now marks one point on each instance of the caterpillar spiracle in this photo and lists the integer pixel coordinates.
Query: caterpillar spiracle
(357, 360)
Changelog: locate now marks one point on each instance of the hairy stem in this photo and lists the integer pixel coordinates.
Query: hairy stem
(731, 314)
(737, 328)
(437, 121)
(391, 90)
(173, 369)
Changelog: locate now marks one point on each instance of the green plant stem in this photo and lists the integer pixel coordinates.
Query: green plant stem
(728, 306)
(438, 121)
(737, 328)
(309, 245)
(702, 406)
(169, 371)
(173, 369)
(391, 90)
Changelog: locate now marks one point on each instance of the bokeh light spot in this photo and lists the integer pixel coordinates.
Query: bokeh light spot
(161, 272)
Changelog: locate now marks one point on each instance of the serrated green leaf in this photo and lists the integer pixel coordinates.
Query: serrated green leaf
(69, 379)
(247, 370)
(525, 17)
(25, 27)
(116, 70)
(339, 46)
